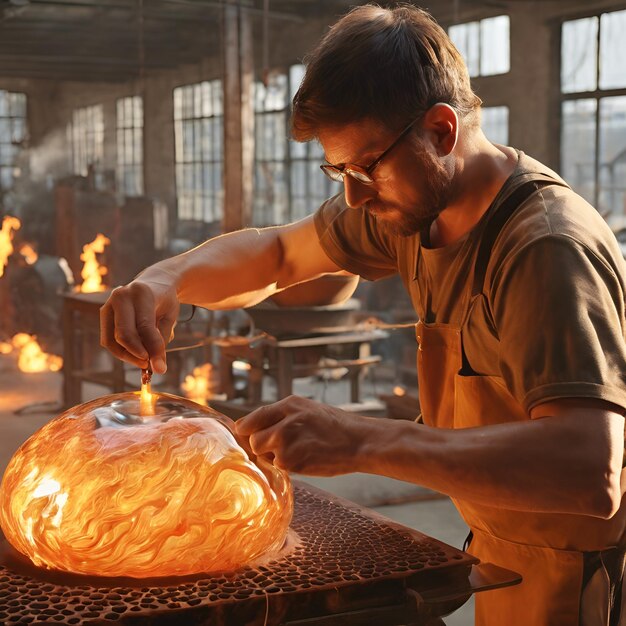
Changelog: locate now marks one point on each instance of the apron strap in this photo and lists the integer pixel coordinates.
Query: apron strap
(613, 561)
(500, 217)
(490, 234)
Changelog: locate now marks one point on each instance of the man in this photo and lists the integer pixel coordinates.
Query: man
(519, 287)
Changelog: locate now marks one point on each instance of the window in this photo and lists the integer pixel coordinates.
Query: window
(484, 45)
(495, 124)
(130, 146)
(288, 181)
(271, 195)
(86, 138)
(12, 134)
(593, 109)
(198, 128)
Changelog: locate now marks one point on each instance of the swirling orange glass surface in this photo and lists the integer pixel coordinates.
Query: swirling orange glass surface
(115, 488)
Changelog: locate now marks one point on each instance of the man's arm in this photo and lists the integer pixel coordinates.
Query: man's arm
(233, 270)
(568, 459)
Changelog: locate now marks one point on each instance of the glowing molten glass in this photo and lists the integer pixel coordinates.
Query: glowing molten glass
(92, 271)
(105, 490)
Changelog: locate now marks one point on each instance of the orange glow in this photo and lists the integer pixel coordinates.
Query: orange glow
(31, 358)
(9, 225)
(399, 391)
(146, 400)
(200, 385)
(29, 253)
(101, 490)
(92, 271)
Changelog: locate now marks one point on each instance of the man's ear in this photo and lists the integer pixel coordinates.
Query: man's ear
(441, 126)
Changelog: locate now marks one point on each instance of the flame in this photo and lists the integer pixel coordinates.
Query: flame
(92, 271)
(146, 400)
(399, 391)
(29, 253)
(171, 495)
(9, 224)
(31, 358)
(199, 385)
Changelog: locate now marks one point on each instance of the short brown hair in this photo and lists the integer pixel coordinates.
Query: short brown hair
(385, 64)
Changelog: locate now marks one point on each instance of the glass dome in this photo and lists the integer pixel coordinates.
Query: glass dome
(142, 486)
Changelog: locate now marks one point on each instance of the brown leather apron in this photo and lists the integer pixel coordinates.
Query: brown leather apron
(548, 550)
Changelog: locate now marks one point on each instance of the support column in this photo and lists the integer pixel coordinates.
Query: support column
(238, 118)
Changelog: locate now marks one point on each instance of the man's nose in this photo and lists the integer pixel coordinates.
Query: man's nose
(356, 193)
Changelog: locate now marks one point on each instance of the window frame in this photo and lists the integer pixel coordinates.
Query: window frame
(13, 141)
(81, 136)
(125, 128)
(214, 209)
(596, 94)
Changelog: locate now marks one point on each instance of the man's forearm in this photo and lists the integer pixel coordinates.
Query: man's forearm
(233, 270)
(554, 464)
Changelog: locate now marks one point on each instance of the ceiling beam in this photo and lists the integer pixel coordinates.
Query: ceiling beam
(68, 74)
(78, 61)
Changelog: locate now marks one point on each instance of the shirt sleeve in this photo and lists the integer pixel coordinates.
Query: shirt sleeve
(351, 238)
(559, 313)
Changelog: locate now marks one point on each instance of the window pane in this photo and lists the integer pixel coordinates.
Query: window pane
(4, 103)
(612, 183)
(579, 55)
(178, 103)
(494, 48)
(298, 178)
(18, 104)
(296, 74)
(207, 103)
(297, 149)
(612, 50)
(578, 136)
(216, 88)
(495, 124)
(5, 130)
(6, 177)
(466, 37)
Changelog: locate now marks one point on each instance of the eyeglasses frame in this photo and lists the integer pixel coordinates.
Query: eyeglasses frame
(348, 169)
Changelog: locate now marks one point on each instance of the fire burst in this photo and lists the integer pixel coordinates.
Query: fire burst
(105, 491)
(9, 224)
(92, 271)
(31, 358)
(199, 385)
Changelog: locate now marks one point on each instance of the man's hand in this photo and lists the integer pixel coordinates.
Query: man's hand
(137, 321)
(305, 436)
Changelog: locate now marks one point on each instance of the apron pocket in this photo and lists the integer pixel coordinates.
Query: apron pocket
(549, 594)
(484, 400)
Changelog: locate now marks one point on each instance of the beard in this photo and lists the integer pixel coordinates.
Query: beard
(437, 190)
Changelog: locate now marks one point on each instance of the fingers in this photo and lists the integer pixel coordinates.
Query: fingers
(129, 328)
(108, 334)
(265, 442)
(166, 330)
(261, 418)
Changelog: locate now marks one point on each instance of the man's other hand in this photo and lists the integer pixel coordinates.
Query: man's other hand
(306, 437)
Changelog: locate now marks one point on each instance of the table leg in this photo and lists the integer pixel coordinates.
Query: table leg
(71, 386)
(284, 376)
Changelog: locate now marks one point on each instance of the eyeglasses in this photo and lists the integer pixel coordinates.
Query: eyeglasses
(337, 173)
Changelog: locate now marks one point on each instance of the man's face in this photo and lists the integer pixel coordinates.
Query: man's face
(412, 185)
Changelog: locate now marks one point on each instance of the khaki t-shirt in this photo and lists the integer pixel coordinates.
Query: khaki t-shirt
(551, 320)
